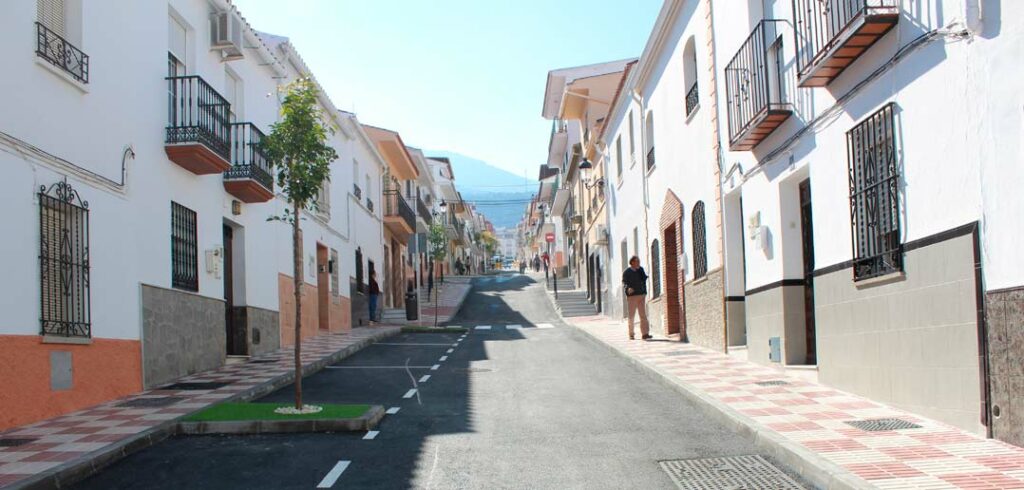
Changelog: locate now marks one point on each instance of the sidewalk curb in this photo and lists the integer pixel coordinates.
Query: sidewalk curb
(77, 470)
(805, 462)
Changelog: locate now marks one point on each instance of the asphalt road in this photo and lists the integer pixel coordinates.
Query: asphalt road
(508, 408)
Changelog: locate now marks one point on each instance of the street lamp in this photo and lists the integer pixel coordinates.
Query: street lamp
(587, 168)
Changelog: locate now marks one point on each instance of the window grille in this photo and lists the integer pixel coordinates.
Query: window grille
(700, 252)
(184, 248)
(655, 270)
(874, 196)
(359, 270)
(65, 308)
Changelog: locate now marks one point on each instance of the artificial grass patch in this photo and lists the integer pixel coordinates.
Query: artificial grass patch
(265, 411)
(433, 330)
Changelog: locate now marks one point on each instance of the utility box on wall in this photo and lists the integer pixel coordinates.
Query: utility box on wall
(775, 349)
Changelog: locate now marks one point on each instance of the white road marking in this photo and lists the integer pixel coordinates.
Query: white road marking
(443, 358)
(410, 393)
(456, 344)
(334, 474)
(378, 367)
(424, 378)
(371, 435)
(483, 327)
(545, 325)
(435, 367)
(393, 410)
(513, 327)
(450, 351)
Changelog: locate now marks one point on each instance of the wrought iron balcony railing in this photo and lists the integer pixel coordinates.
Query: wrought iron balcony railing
(692, 99)
(650, 158)
(356, 191)
(831, 34)
(395, 205)
(424, 211)
(369, 203)
(53, 48)
(755, 99)
(198, 114)
(248, 160)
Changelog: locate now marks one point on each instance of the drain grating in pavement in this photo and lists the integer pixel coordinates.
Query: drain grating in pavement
(728, 473)
(774, 382)
(882, 425)
(195, 386)
(156, 402)
(12, 442)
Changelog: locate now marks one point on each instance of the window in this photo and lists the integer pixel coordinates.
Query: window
(323, 199)
(700, 251)
(52, 14)
(690, 76)
(649, 134)
(618, 155)
(177, 41)
(655, 270)
(58, 33)
(184, 248)
(233, 93)
(359, 270)
(632, 140)
(334, 266)
(874, 196)
(64, 262)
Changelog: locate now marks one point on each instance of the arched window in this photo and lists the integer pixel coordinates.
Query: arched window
(649, 136)
(700, 252)
(690, 76)
(655, 270)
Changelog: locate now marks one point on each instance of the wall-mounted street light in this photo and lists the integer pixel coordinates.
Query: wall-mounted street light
(587, 168)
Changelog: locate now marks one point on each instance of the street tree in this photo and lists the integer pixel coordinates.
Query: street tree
(438, 252)
(298, 150)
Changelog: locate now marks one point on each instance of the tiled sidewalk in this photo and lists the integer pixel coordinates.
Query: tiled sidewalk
(451, 296)
(813, 419)
(75, 445)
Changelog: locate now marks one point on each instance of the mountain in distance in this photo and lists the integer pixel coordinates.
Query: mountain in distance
(499, 194)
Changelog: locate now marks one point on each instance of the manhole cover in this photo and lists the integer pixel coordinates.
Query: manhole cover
(162, 401)
(207, 385)
(774, 382)
(882, 425)
(729, 473)
(14, 442)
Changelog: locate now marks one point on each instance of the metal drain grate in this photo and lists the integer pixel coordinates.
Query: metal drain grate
(774, 382)
(882, 425)
(205, 385)
(15, 442)
(157, 402)
(728, 473)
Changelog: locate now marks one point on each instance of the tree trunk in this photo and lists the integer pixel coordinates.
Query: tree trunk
(297, 280)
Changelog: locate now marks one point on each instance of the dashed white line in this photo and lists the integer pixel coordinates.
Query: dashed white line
(456, 344)
(424, 378)
(483, 327)
(393, 410)
(435, 367)
(545, 325)
(333, 475)
(410, 393)
(443, 358)
(513, 327)
(371, 435)
(450, 351)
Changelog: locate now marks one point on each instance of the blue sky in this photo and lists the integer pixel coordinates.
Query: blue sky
(460, 75)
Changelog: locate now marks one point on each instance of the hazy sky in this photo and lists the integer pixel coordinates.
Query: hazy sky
(461, 75)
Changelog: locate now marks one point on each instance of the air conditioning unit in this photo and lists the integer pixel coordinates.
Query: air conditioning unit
(226, 35)
(602, 235)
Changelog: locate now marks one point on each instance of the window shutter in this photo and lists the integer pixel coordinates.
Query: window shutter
(50, 13)
(176, 39)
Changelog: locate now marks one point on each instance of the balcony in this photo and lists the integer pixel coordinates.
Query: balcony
(250, 177)
(53, 48)
(832, 34)
(198, 128)
(423, 212)
(357, 192)
(754, 90)
(398, 215)
(692, 99)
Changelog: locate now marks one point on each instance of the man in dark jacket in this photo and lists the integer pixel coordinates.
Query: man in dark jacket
(634, 281)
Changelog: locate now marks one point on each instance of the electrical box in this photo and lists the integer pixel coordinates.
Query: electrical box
(215, 261)
(775, 349)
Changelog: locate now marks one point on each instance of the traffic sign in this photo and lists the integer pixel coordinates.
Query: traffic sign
(549, 237)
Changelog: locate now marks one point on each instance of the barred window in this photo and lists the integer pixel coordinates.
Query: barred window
(655, 270)
(184, 248)
(700, 251)
(874, 196)
(64, 262)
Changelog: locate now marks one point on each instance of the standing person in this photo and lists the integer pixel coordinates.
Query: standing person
(430, 279)
(458, 267)
(634, 280)
(374, 296)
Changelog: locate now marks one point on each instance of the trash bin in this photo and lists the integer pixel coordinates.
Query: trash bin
(411, 306)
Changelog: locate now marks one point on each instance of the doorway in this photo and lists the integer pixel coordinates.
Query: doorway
(807, 241)
(597, 281)
(672, 313)
(234, 327)
(323, 288)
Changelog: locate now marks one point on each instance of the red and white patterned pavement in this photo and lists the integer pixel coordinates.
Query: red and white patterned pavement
(935, 456)
(86, 434)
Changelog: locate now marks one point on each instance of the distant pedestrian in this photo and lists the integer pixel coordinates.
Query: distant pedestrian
(430, 280)
(374, 296)
(634, 281)
(459, 267)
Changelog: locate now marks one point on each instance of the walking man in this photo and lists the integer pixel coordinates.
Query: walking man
(634, 280)
(374, 294)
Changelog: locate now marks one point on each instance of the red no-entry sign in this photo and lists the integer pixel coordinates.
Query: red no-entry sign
(549, 237)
